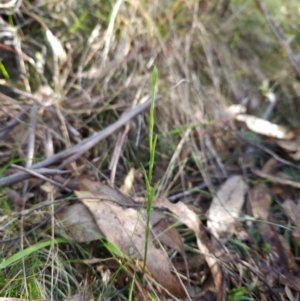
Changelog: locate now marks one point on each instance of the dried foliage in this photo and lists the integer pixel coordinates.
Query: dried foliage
(74, 93)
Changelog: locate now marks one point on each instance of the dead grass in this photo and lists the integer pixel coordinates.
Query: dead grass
(209, 55)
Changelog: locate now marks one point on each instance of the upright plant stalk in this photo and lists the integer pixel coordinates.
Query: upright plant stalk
(148, 178)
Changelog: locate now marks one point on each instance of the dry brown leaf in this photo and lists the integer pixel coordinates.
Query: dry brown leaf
(125, 228)
(270, 165)
(86, 184)
(296, 235)
(195, 263)
(161, 228)
(167, 234)
(225, 207)
(291, 262)
(292, 148)
(296, 155)
(259, 201)
(264, 127)
(80, 223)
(293, 212)
(192, 221)
(282, 191)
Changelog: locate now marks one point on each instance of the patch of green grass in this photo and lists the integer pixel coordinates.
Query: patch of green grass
(26, 274)
(28, 251)
(241, 293)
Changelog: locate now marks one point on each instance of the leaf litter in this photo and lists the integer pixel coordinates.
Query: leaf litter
(226, 250)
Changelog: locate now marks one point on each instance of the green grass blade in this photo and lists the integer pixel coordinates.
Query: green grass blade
(23, 253)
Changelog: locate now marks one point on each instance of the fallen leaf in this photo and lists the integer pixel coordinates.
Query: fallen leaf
(291, 262)
(195, 263)
(225, 207)
(270, 165)
(192, 221)
(264, 127)
(86, 184)
(281, 191)
(161, 228)
(167, 234)
(296, 155)
(292, 211)
(83, 228)
(125, 228)
(296, 236)
(80, 223)
(291, 147)
(259, 201)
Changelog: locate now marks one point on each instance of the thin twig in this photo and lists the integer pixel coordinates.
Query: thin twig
(21, 176)
(30, 145)
(12, 123)
(87, 144)
(278, 180)
(79, 149)
(117, 152)
(37, 175)
(173, 198)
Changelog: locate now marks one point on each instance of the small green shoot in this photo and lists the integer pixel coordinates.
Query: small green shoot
(4, 71)
(241, 293)
(266, 247)
(148, 178)
(114, 250)
(78, 24)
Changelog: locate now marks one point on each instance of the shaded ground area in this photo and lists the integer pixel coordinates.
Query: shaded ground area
(120, 183)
